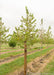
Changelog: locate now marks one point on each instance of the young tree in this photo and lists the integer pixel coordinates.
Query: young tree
(26, 34)
(48, 35)
(3, 32)
(41, 33)
(12, 43)
(12, 40)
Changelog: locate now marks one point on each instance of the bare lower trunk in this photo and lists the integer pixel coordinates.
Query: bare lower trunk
(41, 45)
(25, 58)
(47, 45)
(0, 49)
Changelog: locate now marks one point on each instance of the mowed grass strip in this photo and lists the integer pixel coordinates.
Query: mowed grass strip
(16, 64)
(49, 68)
(6, 55)
(6, 50)
(13, 49)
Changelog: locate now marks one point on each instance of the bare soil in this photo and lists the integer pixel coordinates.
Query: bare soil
(10, 51)
(12, 58)
(37, 65)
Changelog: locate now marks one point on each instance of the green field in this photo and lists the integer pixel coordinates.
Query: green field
(16, 64)
(6, 55)
(3, 56)
(19, 51)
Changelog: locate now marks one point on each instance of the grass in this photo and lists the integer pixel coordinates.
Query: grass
(49, 68)
(16, 64)
(5, 47)
(40, 53)
(6, 55)
(9, 50)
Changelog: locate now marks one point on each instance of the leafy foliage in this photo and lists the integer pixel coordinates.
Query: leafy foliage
(12, 43)
(3, 31)
(12, 40)
(27, 30)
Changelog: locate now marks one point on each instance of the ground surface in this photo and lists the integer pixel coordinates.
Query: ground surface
(12, 59)
(38, 64)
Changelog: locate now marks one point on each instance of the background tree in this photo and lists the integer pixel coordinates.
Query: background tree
(12, 43)
(3, 31)
(48, 35)
(41, 33)
(26, 34)
(12, 40)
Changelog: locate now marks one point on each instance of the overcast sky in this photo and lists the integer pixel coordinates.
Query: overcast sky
(12, 10)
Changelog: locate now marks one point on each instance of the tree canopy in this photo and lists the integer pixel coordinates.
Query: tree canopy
(3, 32)
(27, 30)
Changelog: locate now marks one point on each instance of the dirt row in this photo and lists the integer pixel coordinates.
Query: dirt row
(12, 58)
(11, 51)
(37, 65)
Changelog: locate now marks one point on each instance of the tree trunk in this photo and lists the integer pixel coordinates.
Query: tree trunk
(0, 49)
(47, 45)
(41, 45)
(25, 58)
